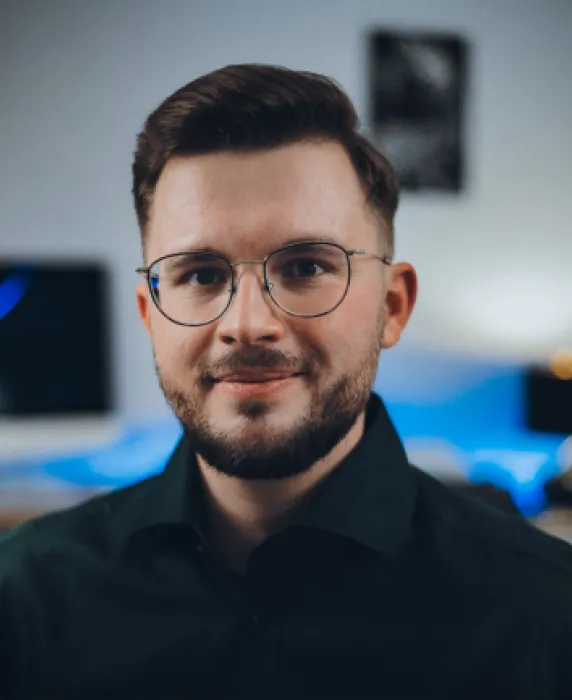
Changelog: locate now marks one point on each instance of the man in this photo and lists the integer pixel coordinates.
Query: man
(288, 550)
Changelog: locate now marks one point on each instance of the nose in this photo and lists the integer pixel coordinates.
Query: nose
(252, 317)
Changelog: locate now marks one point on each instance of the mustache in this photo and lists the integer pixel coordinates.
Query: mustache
(259, 357)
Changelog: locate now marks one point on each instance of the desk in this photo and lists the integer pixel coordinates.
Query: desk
(556, 522)
(21, 504)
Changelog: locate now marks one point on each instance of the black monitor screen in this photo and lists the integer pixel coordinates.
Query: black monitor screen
(548, 402)
(54, 339)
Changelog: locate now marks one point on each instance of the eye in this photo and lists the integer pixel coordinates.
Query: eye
(193, 273)
(201, 276)
(303, 268)
(206, 276)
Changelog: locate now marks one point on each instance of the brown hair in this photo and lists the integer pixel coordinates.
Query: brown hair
(255, 107)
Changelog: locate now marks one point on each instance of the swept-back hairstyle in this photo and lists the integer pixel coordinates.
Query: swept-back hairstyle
(254, 107)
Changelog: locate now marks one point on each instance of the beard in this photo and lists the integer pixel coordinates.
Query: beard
(260, 453)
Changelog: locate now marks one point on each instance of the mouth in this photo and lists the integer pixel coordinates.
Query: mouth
(256, 377)
(248, 384)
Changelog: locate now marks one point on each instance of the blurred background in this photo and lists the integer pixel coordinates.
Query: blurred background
(471, 102)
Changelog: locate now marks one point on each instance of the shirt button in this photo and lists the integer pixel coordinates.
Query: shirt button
(200, 548)
(255, 618)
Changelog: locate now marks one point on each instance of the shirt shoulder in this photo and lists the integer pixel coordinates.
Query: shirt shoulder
(37, 555)
(93, 525)
(506, 565)
(489, 543)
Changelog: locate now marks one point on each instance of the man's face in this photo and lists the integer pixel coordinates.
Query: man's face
(243, 206)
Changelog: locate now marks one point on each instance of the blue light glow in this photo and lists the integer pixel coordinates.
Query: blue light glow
(12, 291)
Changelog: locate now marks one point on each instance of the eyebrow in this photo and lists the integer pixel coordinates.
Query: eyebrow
(304, 238)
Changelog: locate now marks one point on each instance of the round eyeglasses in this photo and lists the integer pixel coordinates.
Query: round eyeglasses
(307, 279)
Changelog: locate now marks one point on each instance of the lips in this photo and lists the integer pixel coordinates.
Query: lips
(255, 377)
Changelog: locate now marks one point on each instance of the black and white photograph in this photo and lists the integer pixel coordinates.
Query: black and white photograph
(418, 84)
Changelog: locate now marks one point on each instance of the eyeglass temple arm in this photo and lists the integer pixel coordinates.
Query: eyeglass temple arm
(385, 259)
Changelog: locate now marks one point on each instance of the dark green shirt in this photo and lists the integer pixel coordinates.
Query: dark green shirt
(388, 585)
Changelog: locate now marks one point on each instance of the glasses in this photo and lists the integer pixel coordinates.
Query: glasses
(306, 279)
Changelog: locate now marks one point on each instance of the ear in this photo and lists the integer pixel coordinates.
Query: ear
(144, 304)
(400, 298)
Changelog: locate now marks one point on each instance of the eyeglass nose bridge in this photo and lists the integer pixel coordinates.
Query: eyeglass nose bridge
(267, 284)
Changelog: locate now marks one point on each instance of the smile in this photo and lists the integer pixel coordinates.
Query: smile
(261, 385)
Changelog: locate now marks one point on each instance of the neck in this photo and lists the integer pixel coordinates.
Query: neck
(241, 514)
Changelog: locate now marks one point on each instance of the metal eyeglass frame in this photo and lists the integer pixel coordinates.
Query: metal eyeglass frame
(146, 273)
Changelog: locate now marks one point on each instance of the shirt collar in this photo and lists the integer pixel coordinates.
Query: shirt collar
(369, 497)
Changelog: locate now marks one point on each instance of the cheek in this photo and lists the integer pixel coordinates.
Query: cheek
(359, 314)
(326, 341)
(342, 337)
(365, 301)
(354, 327)
(176, 348)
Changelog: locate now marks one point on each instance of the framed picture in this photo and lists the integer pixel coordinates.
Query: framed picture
(418, 85)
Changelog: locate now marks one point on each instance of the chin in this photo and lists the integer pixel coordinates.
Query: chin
(256, 409)
(256, 420)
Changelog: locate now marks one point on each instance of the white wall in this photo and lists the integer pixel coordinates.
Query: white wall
(78, 78)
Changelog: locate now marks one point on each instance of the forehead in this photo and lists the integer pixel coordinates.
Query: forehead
(250, 202)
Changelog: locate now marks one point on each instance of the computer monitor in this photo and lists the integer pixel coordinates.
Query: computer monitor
(548, 402)
(54, 339)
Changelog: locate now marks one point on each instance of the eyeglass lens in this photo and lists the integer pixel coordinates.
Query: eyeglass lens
(303, 279)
